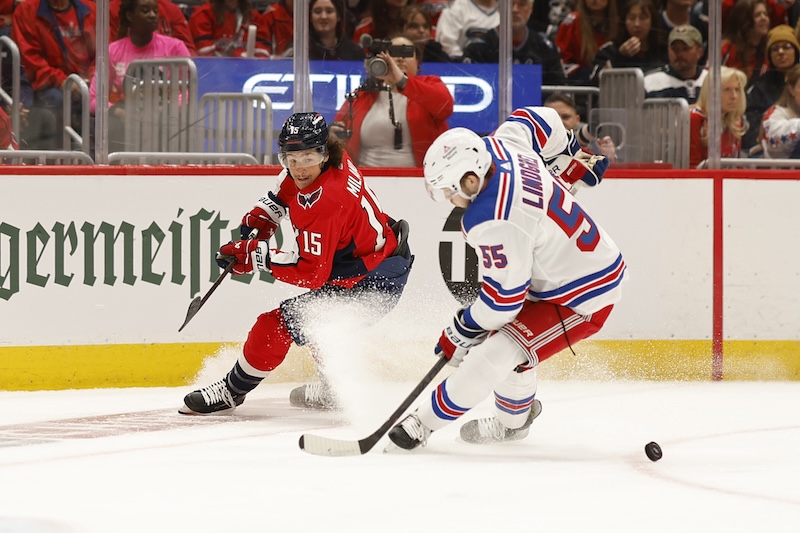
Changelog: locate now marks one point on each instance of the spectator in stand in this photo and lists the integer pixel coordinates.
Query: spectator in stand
(783, 51)
(220, 29)
(683, 76)
(327, 39)
(637, 43)
(529, 47)
(56, 38)
(433, 8)
(734, 124)
(744, 41)
(568, 112)
(463, 20)
(6, 13)
(781, 131)
(779, 10)
(37, 124)
(417, 26)
(278, 22)
(680, 13)
(393, 121)
(7, 139)
(582, 33)
(171, 22)
(138, 23)
(382, 20)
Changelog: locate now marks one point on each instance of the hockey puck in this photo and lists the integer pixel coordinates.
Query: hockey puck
(653, 451)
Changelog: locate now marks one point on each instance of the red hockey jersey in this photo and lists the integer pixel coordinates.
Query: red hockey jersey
(341, 231)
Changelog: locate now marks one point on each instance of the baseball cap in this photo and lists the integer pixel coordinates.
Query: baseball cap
(686, 33)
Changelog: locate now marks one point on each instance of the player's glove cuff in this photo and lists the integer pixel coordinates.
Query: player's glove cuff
(458, 339)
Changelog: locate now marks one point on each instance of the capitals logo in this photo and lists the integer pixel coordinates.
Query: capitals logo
(308, 200)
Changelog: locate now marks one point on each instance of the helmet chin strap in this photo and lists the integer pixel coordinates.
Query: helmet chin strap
(462, 194)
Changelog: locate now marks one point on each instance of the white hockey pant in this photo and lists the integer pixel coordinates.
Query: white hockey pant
(487, 368)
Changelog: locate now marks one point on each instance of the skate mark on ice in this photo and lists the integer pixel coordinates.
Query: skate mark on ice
(111, 425)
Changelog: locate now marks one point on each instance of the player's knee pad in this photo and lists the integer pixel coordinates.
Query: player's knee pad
(268, 342)
(494, 359)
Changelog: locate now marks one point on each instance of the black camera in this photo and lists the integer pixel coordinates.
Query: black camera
(372, 47)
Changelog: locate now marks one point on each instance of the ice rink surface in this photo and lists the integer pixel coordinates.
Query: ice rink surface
(124, 460)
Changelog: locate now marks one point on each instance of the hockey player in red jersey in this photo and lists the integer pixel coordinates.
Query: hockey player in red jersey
(549, 274)
(346, 246)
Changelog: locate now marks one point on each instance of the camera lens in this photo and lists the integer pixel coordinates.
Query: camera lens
(377, 67)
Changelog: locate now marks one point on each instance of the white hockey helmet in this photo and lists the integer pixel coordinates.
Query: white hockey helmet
(453, 154)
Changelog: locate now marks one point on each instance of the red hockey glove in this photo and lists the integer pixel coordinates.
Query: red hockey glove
(246, 255)
(457, 339)
(265, 217)
(257, 219)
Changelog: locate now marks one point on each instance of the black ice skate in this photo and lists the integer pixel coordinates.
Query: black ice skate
(313, 396)
(410, 433)
(488, 430)
(215, 398)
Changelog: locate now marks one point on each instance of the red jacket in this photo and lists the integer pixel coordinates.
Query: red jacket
(40, 44)
(225, 40)
(171, 22)
(279, 28)
(430, 104)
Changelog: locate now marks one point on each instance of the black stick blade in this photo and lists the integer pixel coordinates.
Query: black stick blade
(194, 307)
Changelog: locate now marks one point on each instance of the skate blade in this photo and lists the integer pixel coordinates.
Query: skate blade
(225, 412)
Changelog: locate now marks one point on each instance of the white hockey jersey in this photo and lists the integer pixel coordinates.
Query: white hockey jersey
(533, 239)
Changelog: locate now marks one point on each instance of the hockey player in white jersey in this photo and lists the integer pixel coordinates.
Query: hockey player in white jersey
(549, 274)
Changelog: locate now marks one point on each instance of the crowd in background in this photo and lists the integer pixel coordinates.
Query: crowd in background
(573, 41)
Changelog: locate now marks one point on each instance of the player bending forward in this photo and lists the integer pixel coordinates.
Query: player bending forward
(549, 274)
(346, 247)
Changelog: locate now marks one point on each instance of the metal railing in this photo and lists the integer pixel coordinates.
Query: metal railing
(180, 158)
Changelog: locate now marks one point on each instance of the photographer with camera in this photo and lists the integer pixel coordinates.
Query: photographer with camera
(392, 119)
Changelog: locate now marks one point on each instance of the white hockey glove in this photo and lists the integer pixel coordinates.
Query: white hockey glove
(584, 166)
(457, 339)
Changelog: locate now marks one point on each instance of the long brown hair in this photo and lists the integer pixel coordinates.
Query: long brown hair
(786, 98)
(740, 25)
(220, 10)
(609, 28)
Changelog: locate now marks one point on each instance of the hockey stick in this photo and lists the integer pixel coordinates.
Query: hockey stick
(339, 448)
(198, 302)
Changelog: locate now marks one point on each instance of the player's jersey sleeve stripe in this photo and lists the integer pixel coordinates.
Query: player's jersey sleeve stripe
(585, 288)
(505, 188)
(540, 130)
(443, 407)
(499, 299)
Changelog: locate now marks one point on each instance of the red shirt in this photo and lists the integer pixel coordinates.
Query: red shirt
(569, 40)
(756, 66)
(342, 234)
(730, 146)
(7, 139)
(227, 39)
